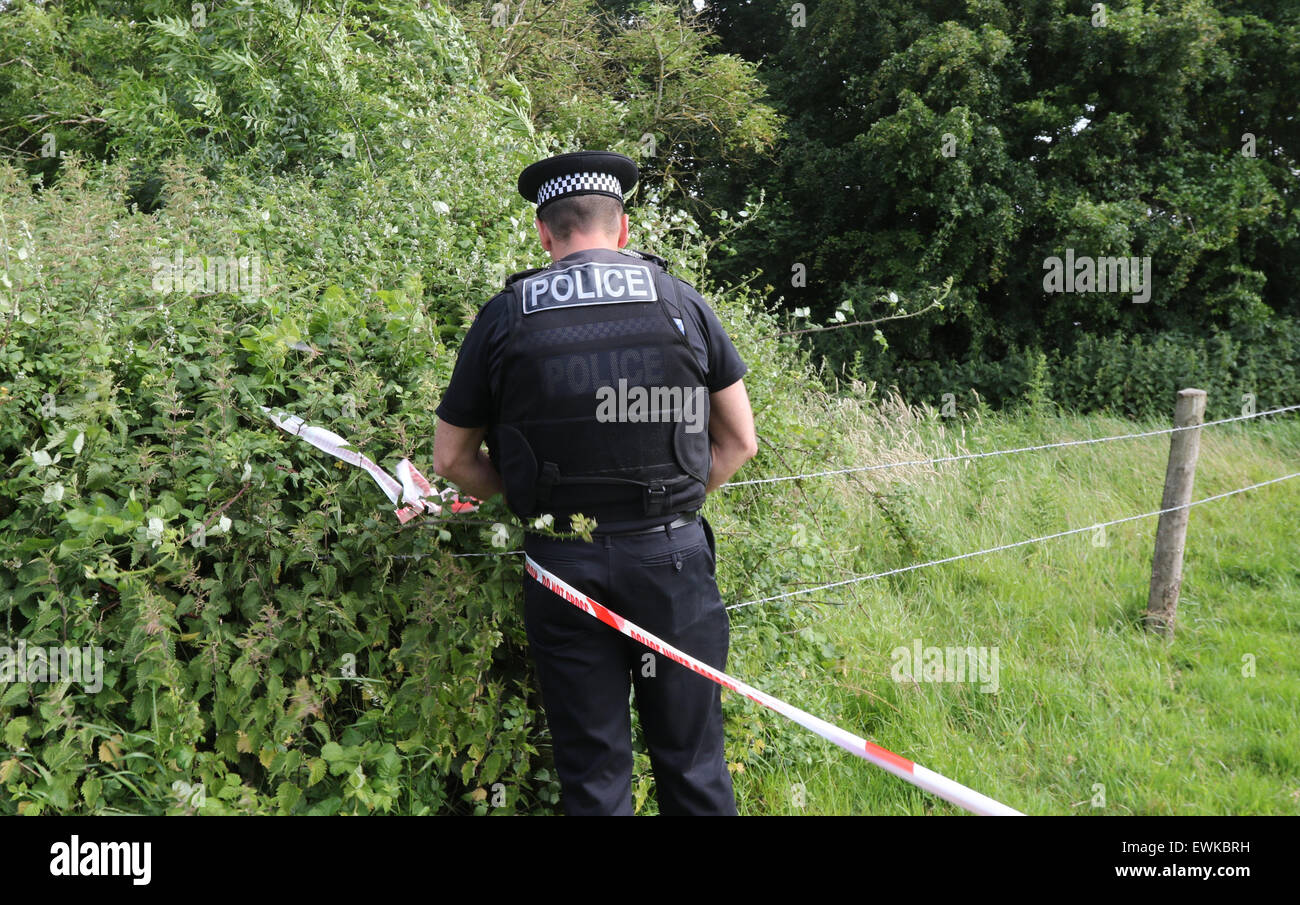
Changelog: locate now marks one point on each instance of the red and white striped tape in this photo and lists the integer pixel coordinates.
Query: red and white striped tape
(411, 487)
(900, 766)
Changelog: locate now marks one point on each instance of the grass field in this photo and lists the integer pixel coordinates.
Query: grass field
(1092, 714)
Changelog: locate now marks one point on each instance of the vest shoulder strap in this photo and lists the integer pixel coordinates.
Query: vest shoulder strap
(645, 256)
(516, 277)
(673, 302)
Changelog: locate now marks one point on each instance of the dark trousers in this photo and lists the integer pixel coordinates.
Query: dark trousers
(665, 583)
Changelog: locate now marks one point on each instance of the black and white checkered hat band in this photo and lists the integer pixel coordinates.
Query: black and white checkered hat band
(578, 182)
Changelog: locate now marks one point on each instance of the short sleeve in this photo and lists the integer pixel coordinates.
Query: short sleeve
(468, 400)
(722, 361)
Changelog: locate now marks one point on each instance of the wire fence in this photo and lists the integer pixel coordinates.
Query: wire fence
(1004, 452)
(959, 458)
(1020, 543)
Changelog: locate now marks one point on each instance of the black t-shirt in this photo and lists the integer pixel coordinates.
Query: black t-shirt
(469, 403)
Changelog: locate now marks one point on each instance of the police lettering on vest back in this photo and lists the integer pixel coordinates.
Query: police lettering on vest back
(588, 284)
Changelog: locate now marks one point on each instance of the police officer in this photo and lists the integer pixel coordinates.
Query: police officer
(605, 386)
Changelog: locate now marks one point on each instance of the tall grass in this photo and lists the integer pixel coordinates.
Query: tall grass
(1092, 715)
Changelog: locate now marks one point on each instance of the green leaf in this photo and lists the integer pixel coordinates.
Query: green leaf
(15, 732)
(15, 693)
(288, 795)
(317, 771)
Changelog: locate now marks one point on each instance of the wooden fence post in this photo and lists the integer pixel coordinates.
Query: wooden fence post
(1171, 533)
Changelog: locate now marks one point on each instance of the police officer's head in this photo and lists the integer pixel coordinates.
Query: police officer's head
(583, 216)
(579, 199)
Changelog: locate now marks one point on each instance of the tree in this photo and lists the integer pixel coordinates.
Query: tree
(642, 78)
(938, 139)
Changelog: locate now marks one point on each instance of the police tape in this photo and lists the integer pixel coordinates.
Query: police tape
(887, 760)
(409, 487)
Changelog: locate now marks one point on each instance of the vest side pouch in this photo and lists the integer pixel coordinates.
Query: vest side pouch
(692, 450)
(519, 471)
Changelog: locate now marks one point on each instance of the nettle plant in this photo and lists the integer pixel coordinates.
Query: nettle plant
(272, 636)
(262, 638)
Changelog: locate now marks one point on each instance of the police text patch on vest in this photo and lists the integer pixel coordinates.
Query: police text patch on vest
(591, 283)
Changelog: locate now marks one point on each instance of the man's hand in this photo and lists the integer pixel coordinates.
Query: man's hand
(458, 456)
(731, 433)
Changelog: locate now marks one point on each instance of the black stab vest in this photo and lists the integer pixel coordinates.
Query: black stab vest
(602, 404)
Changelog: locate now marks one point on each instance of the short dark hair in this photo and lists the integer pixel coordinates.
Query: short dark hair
(582, 213)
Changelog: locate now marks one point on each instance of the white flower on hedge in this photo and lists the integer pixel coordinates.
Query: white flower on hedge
(544, 521)
(223, 525)
(155, 531)
(500, 535)
(53, 493)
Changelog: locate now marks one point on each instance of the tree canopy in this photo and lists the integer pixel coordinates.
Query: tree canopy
(937, 139)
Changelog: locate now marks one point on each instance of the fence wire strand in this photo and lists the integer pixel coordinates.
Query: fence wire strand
(960, 458)
(1004, 452)
(1019, 543)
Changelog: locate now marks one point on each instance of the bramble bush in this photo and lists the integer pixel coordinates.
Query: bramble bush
(274, 641)
(271, 633)
(261, 640)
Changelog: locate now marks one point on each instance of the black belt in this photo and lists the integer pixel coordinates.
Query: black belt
(680, 522)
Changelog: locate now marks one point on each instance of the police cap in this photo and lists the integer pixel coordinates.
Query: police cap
(578, 173)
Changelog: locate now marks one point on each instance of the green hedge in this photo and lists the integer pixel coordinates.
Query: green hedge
(1138, 375)
(1131, 375)
(131, 418)
(309, 654)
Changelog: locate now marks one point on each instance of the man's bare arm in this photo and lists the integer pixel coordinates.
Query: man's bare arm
(458, 456)
(731, 433)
